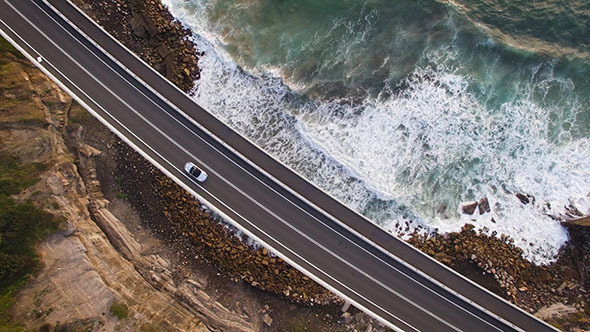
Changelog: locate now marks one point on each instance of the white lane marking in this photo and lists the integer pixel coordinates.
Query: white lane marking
(317, 279)
(377, 246)
(288, 200)
(248, 196)
(419, 283)
(212, 206)
(229, 183)
(337, 221)
(276, 192)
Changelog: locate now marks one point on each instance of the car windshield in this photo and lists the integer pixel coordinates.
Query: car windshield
(195, 171)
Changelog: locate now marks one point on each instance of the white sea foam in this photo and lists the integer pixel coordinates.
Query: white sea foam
(417, 154)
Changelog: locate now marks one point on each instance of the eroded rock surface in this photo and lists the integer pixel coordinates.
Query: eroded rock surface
(86, 271)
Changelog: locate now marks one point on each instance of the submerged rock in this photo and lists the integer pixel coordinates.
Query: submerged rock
(525, 199)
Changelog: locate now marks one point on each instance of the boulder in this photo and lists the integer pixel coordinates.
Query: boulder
(138, 26)
(585, 221)
(163, 50)
(88, 151)
(347, 317)
(525, 199)
(484, 205)
(469, 208)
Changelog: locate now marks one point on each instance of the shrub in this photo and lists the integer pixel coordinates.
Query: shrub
(121, 195)
(22, 225)
(5, 46)
(119, 310)
(14, 176)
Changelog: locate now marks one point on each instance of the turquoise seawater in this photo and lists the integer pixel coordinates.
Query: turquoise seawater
(406, 110)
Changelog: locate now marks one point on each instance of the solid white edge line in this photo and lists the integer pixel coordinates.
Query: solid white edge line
(221, 177)
(211, 206)
(264, 184)
(237, 153)
(383, 250)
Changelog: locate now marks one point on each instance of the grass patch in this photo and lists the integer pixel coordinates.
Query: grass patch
(301, 325)
(121, 195)
(14, 176)
(6, 301)
(119, 310)
(79, 115)
(5, 46)
(22, 225)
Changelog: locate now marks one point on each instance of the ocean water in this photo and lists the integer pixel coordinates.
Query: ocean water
(407, 110)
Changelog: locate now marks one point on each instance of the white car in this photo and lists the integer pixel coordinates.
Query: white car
(195, 172)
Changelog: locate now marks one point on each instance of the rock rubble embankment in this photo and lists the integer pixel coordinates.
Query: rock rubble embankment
(170, 207)
(83, 273)
(148, 29)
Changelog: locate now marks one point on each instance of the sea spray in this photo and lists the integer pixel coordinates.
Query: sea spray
(460, 118)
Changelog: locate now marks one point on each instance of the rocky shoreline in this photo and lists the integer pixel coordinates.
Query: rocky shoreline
(148, 29)
(104, 256)
(83, 273)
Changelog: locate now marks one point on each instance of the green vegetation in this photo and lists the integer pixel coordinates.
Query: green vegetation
(79, 115)
(306, 325)
(5, 46)
(119, 310)
(6, 301)
(570, 322)
(15, 177)
(22, 225)
(121, 195)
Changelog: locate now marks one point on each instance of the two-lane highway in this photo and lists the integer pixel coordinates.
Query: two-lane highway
(263, 198)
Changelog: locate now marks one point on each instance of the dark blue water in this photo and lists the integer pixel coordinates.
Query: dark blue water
(406, 110)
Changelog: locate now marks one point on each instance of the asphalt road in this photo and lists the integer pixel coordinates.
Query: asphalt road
(383, 276)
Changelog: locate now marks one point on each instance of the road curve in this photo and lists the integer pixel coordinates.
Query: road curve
(384, 276)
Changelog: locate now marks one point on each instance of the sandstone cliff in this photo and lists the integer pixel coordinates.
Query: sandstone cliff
(85, 270)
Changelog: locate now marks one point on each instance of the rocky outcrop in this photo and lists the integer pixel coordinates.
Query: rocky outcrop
(577, 251)
(469, 208)
(95, 260)
(152, 35)
(150, 31)
(167, 205)
(495, 263)
(483, 206)
(155, 269)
